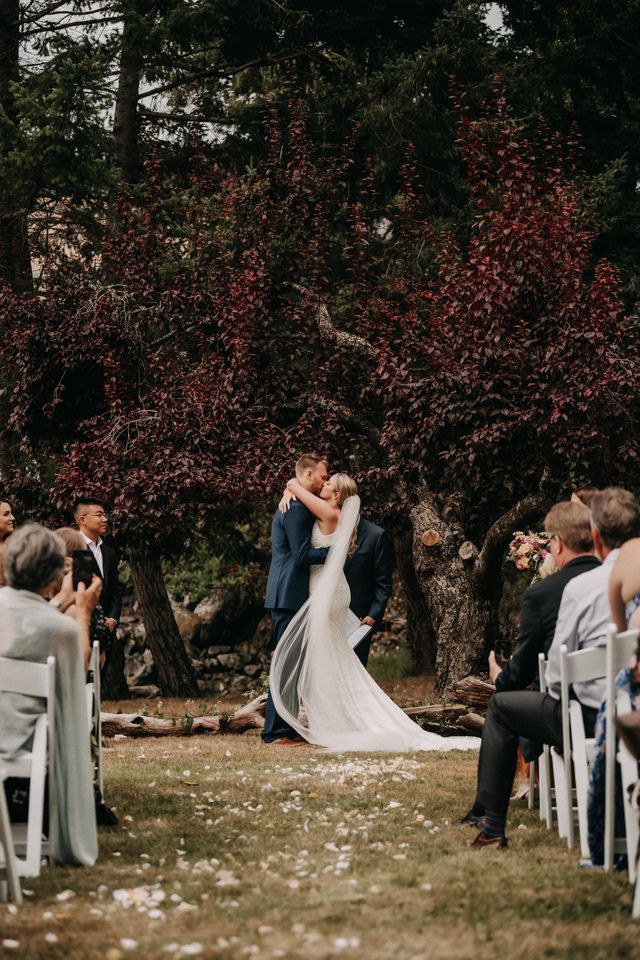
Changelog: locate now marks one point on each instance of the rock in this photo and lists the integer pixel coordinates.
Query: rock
(231, 661)
(253, 669)
(231, 614)
(188, 625)
(140, 669)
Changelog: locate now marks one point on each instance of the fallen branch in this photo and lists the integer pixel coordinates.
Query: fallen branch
(249, 717)
(474, 691)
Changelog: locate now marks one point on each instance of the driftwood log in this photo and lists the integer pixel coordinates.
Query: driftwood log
(249, 717)
(453, 717)
(474, 691)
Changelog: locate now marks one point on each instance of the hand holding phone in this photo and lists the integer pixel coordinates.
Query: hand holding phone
(82, 567)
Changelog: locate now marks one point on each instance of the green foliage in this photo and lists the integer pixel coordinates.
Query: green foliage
(226, 556)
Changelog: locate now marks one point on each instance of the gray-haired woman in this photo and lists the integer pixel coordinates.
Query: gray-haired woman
(32, 629)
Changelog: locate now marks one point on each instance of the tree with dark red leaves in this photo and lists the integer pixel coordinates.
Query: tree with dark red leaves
(500, 371)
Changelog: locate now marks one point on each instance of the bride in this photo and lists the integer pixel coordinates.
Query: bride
(317, 683)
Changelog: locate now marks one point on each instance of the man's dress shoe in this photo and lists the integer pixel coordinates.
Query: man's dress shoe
(482, 840)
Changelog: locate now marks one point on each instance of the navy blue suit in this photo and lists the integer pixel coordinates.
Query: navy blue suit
(369, 575)
(288, 587)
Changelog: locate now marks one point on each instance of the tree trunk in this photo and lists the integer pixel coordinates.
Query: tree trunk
(125, 120)
(15, 261)
(463, 619)
(463, 595)
(175, 674)
(421, 637)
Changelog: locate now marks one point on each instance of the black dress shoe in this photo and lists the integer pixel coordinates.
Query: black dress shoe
(475, 816)
(105, 817)
(482, 840)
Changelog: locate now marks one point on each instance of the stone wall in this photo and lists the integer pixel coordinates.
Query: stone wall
(226, 635)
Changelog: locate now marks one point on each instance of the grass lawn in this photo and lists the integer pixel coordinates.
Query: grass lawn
(230, 849)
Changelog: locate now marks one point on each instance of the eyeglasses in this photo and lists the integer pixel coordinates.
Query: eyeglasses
(101, 515)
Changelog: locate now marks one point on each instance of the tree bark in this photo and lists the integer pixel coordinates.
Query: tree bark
(175, 674)
(125, 120)
(421, 638)
(464, 620)
(15, 261)
(463, 595)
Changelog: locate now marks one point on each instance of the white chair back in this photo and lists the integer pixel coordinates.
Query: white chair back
(577, 667)
(34, 680)
(620, 647)
(93, 706)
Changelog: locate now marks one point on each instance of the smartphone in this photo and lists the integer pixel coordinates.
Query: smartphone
(82, 566)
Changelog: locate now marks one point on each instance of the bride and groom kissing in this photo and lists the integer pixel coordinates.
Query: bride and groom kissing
(327, 559)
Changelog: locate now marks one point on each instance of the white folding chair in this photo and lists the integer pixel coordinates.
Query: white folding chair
(33, 680)
(577, 667)
(544, 760)
(620, 647)
(629, 776)
(93, 706)
(8, 865)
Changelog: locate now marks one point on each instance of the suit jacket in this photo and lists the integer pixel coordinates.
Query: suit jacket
(369, 572)
(111, 596)
(538, 616)
(291, 557)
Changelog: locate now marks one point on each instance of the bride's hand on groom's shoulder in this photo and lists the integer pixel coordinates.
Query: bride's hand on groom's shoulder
(285, 503)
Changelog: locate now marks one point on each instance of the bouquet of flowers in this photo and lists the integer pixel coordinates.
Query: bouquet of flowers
(528, 550)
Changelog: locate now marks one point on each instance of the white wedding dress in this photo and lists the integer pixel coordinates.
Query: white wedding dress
(318, 684)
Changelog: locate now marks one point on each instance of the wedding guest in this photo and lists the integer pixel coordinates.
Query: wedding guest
(92, 521)
(369, 575)
(571, 544)
(32, 629)
(584, 495)
(98, 630)
(582, 623)
(7, 520)
(624, 586)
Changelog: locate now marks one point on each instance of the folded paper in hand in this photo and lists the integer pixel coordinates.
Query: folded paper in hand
(356, 631)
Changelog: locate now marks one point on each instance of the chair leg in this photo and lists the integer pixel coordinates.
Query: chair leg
(10, 865)
(559, 779)
(635, 913)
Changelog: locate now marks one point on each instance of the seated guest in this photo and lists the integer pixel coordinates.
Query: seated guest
(582, 623)
(7, 521)
(32, 629)
(569, 528)
(624, 586)
(584, 495)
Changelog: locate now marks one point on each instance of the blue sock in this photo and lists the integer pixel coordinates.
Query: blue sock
(493, 824)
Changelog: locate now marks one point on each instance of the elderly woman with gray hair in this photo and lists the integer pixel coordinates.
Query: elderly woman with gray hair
(33, 629)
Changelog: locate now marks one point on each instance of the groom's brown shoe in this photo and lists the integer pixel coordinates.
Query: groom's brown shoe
(482, 840)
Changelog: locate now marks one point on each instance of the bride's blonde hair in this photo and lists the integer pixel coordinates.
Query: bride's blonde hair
(345, 486)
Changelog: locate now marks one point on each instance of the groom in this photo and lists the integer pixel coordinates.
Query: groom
(288, 581)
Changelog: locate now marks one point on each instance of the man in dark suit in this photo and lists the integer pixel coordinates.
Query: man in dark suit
(369, 575)
(583, 621)
(573, 554)
(92, 522)
(288, 580)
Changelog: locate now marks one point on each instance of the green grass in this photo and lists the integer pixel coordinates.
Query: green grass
(286, 852)
(391, 666)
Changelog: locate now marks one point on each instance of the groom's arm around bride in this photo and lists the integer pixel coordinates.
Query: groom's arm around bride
(288, 580)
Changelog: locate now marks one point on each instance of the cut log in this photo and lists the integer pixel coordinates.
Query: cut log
(474, 691)
(437, 711)
(468, 550)
(430, 538)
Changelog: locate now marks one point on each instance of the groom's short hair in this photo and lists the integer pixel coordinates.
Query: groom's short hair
(308, 461)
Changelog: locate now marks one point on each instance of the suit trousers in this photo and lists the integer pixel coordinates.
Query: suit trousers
(521, 713)
(274, 726)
